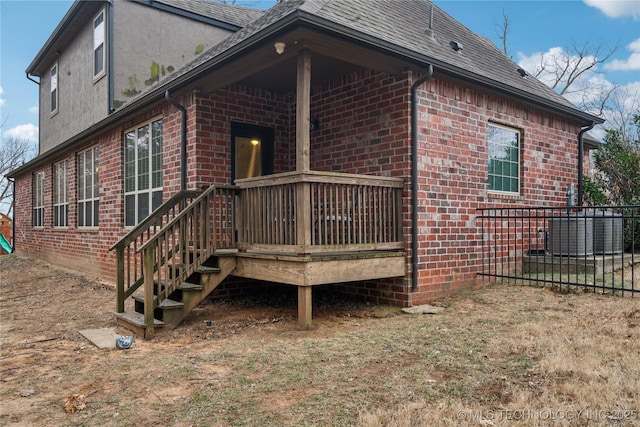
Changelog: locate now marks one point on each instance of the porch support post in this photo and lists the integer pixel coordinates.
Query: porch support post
(303, 110)
(303, 113)
(304, 306)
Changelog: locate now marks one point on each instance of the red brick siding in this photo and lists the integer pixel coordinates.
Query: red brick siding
(364, 128)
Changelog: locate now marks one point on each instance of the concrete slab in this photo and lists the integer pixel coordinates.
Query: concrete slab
(423, 309)
(101, 338)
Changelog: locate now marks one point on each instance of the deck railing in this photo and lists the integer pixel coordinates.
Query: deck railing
(305, 212)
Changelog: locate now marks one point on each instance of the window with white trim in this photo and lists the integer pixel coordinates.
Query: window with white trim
(54, 88)
(504, 159)
(99, 32)
(38, 199)
(142, 171)
(60, 196)
(88, 190)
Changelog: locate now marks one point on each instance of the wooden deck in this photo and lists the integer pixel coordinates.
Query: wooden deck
(298, 228)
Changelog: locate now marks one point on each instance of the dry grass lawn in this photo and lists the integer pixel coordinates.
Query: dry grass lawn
(502, 355)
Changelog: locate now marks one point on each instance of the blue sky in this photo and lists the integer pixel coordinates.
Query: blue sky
(537, 28)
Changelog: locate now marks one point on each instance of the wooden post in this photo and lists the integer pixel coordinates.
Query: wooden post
(303, 114)
(303, 110)
(304, 306)
(148, 291)
(120, 279)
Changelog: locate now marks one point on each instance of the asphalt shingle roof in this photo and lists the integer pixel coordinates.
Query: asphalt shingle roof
(231, 14)
(399, 25)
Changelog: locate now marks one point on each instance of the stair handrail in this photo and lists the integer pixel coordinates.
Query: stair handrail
(161, 248)
(177, 200)
(182, 214)
(153, 218)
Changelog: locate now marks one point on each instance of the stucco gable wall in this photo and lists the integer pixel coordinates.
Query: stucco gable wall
(149, 44)
(82, 101)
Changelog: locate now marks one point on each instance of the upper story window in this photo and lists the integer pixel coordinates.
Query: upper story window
(60, 195)
(504, 159)
(54, 88)
(99, 31)
(88, 190)
(142, 171)
(38, 199)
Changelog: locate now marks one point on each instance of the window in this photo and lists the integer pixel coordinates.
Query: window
(142, 171)
(98, 45)
(60, 198)
(38, 199)
(504, 159)
(54, 89)
(88, 193)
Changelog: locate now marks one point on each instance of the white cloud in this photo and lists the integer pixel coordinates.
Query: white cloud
(547, 66)
(632, 63)
(27, 132)
(1, 99)
(617, 8)
(34, 109)
(588, 90)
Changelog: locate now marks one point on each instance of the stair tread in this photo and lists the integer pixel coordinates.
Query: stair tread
(188, 286)
(226, 252)
(206, 269)
(169, 303)
(137, 319)
(166, 303)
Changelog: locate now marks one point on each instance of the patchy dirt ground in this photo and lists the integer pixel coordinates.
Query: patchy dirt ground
(492, 353)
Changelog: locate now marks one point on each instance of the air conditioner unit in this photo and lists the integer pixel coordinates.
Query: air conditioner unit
(607, 232)
(571, 235)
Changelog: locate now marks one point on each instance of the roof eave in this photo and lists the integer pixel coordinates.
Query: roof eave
(62, 26)
(156, 94)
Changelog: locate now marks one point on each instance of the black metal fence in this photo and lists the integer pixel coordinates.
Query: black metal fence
(593, 248)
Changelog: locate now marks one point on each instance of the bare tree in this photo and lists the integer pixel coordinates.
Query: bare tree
(502, 32)
(621, 111)
(14, 153)
(568, 70)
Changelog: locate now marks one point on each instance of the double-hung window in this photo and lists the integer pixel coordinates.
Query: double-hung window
(54, 88)
(38, 199)
(88, 193)
(60, 195)
(504, 159)
(99, 32)
(142, 171)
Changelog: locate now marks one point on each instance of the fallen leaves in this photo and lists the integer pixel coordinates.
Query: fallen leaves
(75, 402)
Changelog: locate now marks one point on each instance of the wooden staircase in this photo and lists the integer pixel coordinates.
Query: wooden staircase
(175, 258)
(173, 309)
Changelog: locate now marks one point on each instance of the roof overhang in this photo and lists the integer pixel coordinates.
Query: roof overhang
(76, 17)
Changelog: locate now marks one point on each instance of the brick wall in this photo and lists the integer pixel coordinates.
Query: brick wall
(364, 127)
(453, 121)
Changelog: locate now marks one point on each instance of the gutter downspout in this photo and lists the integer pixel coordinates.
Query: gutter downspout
(13, 220)
(580, 163)
(30, 78)
(110, 76)
(414, 177)
(183, 140)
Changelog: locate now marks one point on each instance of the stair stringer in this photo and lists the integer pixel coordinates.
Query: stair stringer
(208, 281)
